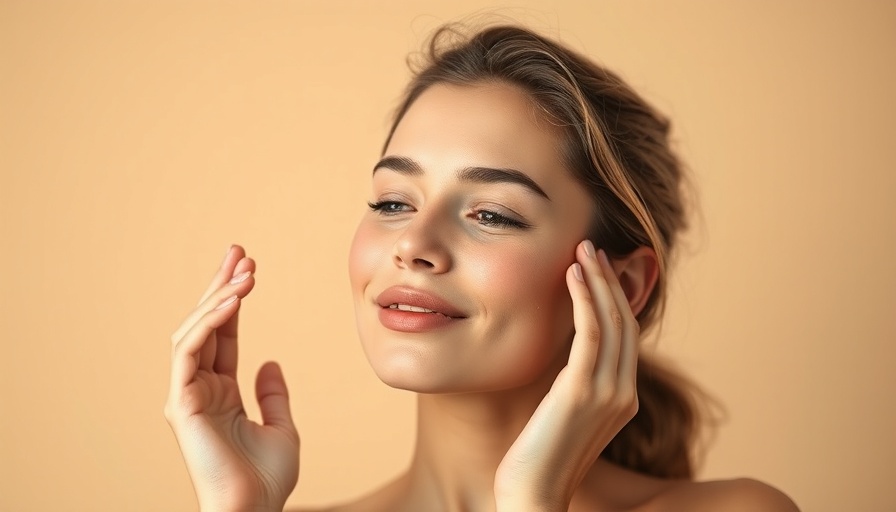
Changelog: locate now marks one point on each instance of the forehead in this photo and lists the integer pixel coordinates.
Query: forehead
(489, 124)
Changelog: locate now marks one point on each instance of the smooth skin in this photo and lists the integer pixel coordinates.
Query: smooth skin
(498, 427)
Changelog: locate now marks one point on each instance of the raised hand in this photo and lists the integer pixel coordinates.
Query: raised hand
(234, 463)
(592, 398)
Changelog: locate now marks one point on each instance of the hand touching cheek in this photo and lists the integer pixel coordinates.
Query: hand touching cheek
(593, 397)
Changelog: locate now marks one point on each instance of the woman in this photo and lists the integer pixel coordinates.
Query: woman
(521, 222)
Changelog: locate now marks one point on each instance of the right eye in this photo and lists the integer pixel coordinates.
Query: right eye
(389, 207)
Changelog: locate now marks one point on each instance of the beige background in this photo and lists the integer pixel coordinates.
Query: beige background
(139, 139)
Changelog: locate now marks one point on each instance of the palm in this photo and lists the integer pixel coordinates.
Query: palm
(245, 459)
(213, 394)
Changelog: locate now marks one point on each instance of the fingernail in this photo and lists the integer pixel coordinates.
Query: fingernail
(226, 303)
(589, 248)
(237, 279)
(577, 271)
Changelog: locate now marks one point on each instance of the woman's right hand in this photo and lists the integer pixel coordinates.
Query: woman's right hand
(235, 464)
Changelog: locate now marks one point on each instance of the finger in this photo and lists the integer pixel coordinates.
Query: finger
(631, 330)
(586, 342)
(607, 313)
(208, 352)
(211, 301)
(185, 354)
(224, 337)
(234, 254)
(225, 361)
(273, 397)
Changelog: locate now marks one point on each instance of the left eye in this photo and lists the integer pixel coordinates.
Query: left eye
(489, 218)
(388, 207)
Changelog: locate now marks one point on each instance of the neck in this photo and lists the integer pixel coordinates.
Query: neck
(462, 438)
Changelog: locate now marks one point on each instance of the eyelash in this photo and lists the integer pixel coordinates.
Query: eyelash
(496, 219)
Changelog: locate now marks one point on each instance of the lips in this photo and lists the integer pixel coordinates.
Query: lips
(413, 300)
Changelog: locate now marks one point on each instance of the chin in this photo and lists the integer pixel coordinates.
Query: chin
(411, 383)
(408, 370)
(440, 363)
(414, 362)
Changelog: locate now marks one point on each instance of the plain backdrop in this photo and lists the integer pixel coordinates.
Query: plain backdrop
(139, 139)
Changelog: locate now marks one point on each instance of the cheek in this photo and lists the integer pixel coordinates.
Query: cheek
(366, 254)
(529, 297)
(545, 293)
(524, 276)
(530, 316)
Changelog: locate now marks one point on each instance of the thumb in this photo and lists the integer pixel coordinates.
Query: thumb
(273, 397)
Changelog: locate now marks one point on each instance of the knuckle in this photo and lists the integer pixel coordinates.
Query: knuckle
(626, 393)
(583, 397)
(616, 319)
(593, 332)
(177, 350)
(606, 395)
(587, 300)
(180, 407)
(628, 401)
(629, 409)
(181, 354)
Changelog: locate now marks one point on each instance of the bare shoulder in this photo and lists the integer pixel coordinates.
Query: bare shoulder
(656, 495)
(738, 495)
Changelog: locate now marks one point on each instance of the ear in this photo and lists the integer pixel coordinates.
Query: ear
(638, 272)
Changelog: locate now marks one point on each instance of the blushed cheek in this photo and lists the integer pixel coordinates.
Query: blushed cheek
(495, 273)
(555, 299)
(542, 286)
(530, 286)
(365, 255)
(536, 315)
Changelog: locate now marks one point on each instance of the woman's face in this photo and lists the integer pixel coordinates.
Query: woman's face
(458, 270)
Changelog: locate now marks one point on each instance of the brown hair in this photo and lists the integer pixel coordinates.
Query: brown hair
(617, 146)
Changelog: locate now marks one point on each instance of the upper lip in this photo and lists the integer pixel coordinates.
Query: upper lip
(420, 298)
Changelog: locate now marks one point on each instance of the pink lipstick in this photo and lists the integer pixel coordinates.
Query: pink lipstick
(408, 309)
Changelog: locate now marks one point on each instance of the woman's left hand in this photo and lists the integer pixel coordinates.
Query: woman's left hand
(593, 397)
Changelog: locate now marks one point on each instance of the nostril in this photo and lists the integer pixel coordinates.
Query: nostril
(423, 262)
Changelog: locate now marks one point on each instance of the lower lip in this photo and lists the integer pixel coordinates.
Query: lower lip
(410, 321)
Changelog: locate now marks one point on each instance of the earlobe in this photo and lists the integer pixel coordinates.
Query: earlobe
(638, 273)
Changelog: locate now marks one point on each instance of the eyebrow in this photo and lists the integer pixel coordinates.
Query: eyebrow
(409, 167)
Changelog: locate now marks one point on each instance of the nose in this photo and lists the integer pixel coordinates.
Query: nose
(422, 246)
